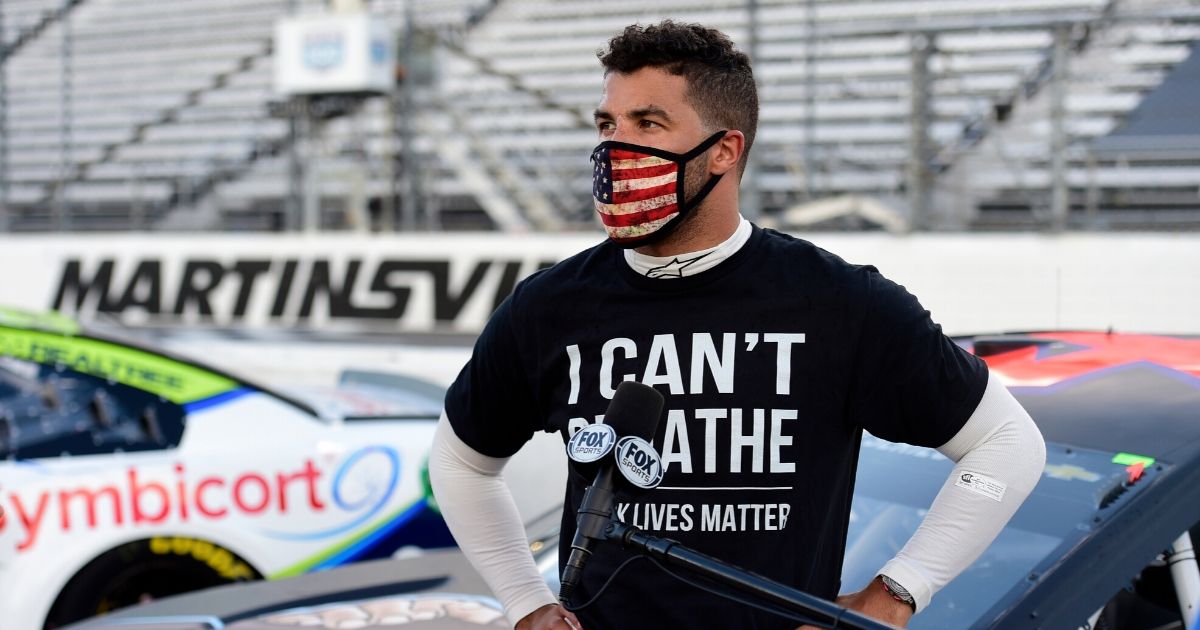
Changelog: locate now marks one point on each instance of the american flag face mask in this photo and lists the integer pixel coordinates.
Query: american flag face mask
(638, 190)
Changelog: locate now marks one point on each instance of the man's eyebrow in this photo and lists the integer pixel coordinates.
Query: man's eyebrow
(641, 112)
(650, 110)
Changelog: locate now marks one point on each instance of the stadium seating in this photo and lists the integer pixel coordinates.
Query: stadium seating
(164, 118)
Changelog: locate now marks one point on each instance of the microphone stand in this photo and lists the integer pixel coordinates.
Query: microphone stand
(593, 515)
(676, 554)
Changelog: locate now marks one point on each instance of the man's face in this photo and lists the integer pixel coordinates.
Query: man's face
(648, 107)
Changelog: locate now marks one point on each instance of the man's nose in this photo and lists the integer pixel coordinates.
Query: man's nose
(621, 131)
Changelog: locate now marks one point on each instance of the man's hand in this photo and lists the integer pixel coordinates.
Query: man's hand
(550, 617)
(875, 602)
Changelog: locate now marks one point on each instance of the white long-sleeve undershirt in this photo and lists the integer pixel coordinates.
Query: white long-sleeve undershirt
(483, 517)
(1000, 442)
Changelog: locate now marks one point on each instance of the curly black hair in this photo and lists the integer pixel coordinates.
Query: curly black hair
(720, 81)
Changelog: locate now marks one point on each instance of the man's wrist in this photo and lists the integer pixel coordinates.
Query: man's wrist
(912, 577)
(524, 607)
(526, 622)
(887, 608)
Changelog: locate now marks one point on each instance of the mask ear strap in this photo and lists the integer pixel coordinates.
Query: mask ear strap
(704, 146)
(712, 181)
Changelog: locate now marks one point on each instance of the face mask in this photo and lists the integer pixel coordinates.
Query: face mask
(638, 190)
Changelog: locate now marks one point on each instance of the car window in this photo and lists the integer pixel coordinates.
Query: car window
(48, 411)
(897, 483)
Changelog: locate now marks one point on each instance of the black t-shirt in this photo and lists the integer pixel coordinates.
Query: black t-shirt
(772, 363)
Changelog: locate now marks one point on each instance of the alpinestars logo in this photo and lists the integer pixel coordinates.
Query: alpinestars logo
(673, 269)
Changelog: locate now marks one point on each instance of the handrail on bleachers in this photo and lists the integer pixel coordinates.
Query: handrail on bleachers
(520, 75)
(28, 35)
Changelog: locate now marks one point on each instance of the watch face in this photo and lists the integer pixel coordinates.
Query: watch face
(897, 590)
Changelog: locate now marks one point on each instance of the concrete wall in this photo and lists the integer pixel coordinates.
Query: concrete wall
(445, 282)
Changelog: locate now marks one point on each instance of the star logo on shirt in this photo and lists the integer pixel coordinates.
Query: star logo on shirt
(673, 269)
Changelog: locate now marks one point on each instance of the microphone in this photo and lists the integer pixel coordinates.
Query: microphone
(635, 411)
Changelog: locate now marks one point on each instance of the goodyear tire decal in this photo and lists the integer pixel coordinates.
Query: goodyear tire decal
(218, 558)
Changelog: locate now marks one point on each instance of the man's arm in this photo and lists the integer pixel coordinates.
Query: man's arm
(1000, 443)
(480, 511)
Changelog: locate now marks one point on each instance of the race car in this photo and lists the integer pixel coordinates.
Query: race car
(128, 474)
(1104, 540)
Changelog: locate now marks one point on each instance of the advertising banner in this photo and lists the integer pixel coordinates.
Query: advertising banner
(450, 283)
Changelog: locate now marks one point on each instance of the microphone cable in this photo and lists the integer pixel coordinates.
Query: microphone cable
(604, 587)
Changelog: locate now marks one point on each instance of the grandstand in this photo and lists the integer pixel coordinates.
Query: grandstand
(943, 114)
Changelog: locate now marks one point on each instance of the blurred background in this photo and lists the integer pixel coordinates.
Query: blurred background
(294, 189)
(395, 166)
(122, 115)
(360, 167)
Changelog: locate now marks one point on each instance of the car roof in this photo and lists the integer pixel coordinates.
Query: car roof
(43, 322)
(95, 348)
(1117, 392)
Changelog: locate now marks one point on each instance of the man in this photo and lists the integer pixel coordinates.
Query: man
(774, 355)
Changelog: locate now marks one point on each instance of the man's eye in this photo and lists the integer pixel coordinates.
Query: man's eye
(647, 124)
(604, 125)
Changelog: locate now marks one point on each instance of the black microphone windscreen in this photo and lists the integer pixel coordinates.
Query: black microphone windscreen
(636, 409)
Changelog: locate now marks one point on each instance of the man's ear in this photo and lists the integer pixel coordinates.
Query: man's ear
(727, 152)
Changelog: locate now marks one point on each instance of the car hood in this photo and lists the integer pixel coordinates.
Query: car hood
(1116, 392)
(440, 590)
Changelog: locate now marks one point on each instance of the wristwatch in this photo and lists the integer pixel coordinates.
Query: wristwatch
(898, 593)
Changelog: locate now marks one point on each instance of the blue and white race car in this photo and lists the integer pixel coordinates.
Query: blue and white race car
(128, 474)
